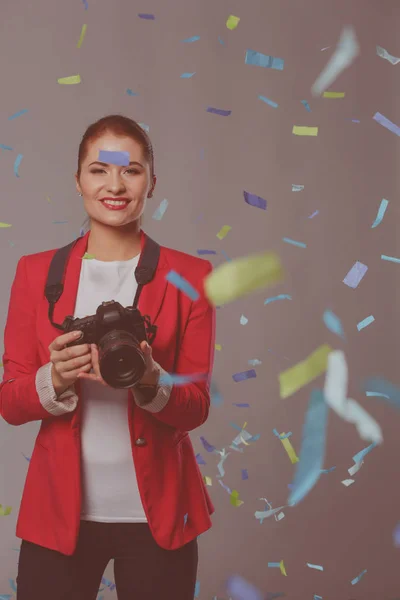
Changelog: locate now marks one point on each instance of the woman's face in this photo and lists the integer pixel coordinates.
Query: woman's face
(100, 181)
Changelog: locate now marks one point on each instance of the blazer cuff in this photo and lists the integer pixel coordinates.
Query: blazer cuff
(160, 401)
(65, 403)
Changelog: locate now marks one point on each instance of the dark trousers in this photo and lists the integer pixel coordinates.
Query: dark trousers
(142, 569)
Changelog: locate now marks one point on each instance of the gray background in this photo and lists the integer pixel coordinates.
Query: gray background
(203, 163)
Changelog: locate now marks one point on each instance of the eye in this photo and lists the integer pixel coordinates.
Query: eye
(133, 171)
(97, 171)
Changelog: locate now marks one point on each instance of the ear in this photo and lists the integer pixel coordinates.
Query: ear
(78, 187)
(151, 191)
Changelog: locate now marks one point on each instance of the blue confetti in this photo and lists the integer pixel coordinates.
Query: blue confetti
(183, 285)
(18, 114)
(357, 579)
(328, 470)
(17, 164)
(240, 589)
(282, 436)
(294, 243)
(360, 455)
(312, 448)
(3, 147)
(221, 41)
(268, 101)
(131, 92)
(241, 405)
(313, 215)
(306, 105)
(383, 388)
(179, 380)
(244, 375)
(114, 158)
(274, 565)
(365, 322)
(145, 16)
(203, 252)
(381, 213)
(85, 4)
(390, 258)
(263, 60)
(254, 200)
(206, 445)
(245, 474)
(197, 589)
(194, 38)
(160, 211)
(225, 255)
(187, 75)
(280, 297)
(219, 111)
(200, 460)
(355, 275)
(333, 323)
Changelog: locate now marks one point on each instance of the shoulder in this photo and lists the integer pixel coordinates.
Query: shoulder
(188, 266)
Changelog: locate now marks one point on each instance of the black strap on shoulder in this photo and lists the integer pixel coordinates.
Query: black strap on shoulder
(144, 273)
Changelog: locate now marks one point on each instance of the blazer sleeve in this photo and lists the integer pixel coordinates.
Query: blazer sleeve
(24, 376)
(187, 406)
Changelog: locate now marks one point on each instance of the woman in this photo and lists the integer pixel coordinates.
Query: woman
(113, 474)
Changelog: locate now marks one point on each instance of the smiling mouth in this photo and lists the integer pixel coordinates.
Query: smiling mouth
(110, 202)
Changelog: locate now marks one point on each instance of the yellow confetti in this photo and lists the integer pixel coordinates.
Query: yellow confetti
(290, 450)
(282, 568)
(299, 130)
(232, 22)
(207, 480)
(1, 364)
(223, 232)
(48, 199)
(333, 94)
(235, 499)
(218, 347)
(70, 80)
(244, 425)
(87, 256)
(241, 276)
(5, 225)
(294, 378)
(79, 44)
(5, 511)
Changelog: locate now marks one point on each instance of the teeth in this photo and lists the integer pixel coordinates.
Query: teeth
(115, 202)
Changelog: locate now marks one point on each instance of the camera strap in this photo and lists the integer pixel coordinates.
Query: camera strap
(144, 273)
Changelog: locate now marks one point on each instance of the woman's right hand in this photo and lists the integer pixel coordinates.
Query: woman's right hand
(67, 363)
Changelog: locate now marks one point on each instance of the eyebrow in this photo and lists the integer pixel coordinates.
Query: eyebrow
(134, 162)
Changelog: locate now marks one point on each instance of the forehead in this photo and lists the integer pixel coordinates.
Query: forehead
(114, 143)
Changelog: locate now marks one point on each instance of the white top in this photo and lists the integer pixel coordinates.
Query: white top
(109, 487)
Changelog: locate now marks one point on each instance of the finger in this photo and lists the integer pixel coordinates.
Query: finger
(66, 338)
(75, 363)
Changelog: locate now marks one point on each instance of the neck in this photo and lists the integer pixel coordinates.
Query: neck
(107, 243)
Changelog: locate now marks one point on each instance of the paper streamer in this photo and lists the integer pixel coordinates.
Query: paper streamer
(264, 60)
(335, 392)
(114, 158)
(345, 53)
(312, 450)
(386, 123)
(294, 378)
(289, 449)
(385, 54)
(240, 277)
(279, 297)
(381, 213)
(383, 389)
(179, 282)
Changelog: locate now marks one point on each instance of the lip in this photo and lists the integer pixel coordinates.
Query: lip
(125, 199)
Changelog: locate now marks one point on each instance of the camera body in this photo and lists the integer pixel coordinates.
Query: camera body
(118, 333)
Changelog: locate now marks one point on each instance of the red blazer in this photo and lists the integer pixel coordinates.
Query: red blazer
(169, 480)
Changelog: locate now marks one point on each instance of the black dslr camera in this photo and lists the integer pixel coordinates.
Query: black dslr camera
(117, 332)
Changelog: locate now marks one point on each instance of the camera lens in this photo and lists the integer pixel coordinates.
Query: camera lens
(121, 360)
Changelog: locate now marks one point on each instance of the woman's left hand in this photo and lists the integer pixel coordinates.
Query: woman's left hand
(150, 375)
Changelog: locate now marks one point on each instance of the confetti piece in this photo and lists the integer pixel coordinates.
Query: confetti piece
(365, 322)
(179, 282)
(206, 445)
(242, 276)
(274, 565)
(264, 60)
(386, 123)
(335, 393)
(216, 396)
(82, 36)
(396, 536)
(187, 75)
(297, 188)
(281, 436)
(312, 450)
(254, 200)
(160, 212)
(223, 232)
(261, 515)
(289, 449)
(176, 379)
(5, 511)
(328, 470)
(385, 54)
(306, 105)
(333, 323)
(381, 213)
(347, 482)
(360, 455)
(3, 147)
(294, 243)
(244, 375)
(357, 579)
(17, 164)
(390, 258)
(18, 114)
(318, 567)
(131, 92)
(313, 215)
(282, 568)
(333, 94)
(221, 41)
(243, 320)
(145, 16)
(200, 460)
(235, 499)
(5, 225)
(197, 589)
(240, 589)
(192, 39)
(254, 362)
(232, 22)
(268, 101)
(114, 158)
(384, 389)
(345, 53)
(301, 130)
(85, 4)
(202, 252)
(87, 256)
(218, 347)
(304, 372)
(72, 79)
(219, 111)
(275, 298)
(355, 275)
(245, 474)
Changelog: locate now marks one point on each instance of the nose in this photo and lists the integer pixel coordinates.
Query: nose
(115, 183)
